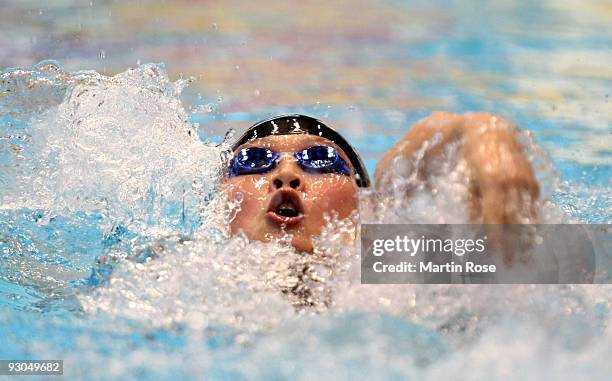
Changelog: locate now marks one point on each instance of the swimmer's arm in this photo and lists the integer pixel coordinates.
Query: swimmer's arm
(502, 183)
(444, 126)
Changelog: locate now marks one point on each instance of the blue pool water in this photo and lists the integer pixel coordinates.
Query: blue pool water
(102, 169)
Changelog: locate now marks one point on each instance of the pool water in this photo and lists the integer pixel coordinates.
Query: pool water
(114, 253)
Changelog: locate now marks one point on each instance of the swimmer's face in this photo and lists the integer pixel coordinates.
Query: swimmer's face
(287, 199)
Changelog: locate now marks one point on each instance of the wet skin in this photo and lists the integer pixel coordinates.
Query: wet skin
(503, 186)
(313, 195)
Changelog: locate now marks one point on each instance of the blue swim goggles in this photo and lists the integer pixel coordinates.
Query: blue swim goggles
(316, 159)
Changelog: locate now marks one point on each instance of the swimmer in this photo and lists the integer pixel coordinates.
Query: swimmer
(290, 171)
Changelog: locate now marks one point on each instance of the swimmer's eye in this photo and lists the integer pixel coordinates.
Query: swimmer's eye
(322, 159)
(317, 159)
(253, 160)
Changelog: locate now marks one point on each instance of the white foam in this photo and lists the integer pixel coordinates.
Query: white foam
(122, 146)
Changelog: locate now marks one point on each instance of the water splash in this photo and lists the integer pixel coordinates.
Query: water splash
(118, 146)
(115, 161)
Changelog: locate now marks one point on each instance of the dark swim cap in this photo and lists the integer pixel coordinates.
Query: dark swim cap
(302, 124)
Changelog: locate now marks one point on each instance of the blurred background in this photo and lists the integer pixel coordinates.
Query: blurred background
(369, 67)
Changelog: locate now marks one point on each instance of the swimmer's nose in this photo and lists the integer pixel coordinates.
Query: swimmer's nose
(287, 174)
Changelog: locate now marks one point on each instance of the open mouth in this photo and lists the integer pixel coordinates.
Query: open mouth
(286, 208)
